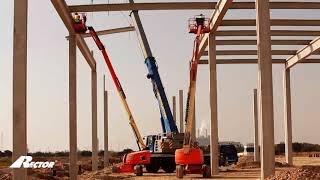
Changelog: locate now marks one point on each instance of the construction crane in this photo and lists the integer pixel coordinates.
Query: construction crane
(190, 158)
(132, 162)
(163, 145)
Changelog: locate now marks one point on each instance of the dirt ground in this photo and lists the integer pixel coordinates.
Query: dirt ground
(305, 167)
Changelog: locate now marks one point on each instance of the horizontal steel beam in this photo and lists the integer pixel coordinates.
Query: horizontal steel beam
(274, 22)
(250, 52)
(62, 9)
(109, 31)
(304, 53)
(255, 61)
(254, 42)
(186, 6)
(273, 33)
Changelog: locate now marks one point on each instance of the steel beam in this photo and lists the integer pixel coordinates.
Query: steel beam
(214, 140)
(111, 31)
(254, 42)
(274, 22)
(215, 21)
(19, 126)
(64, 13)
(73, 167)
(304, 53)
(287, 116)
(251, 52)
(265, 88)
(186, 6)
(255, 61)
(273, 33)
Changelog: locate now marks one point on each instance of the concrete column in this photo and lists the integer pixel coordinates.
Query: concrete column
(106, 143)
(256, 126)
(73, 169)
(20, 85)
(266, 88)
(174, 107)
(94, 121)
(181, 109)
(287, 116)
(214, 149)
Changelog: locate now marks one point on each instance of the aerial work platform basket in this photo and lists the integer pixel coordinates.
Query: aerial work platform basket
(199, 20)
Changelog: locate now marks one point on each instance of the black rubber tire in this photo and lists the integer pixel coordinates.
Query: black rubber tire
(169, 168)
(179, 172)
(138, 170)
(153, 167)
(206, 171)
(168, 165)
(114, 169)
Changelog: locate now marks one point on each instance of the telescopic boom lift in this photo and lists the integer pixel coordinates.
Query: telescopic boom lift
(190, 158)
(132, 162)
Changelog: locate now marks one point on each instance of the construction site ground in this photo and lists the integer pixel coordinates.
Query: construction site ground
(305, 167)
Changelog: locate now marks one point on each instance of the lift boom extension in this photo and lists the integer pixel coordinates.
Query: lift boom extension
(190, 158)
(188, 139)
(116, 81)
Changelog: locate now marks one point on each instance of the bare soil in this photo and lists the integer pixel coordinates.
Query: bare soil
(305, 167)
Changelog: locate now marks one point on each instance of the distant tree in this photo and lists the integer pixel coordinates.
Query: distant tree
(7, 153)
(85, 153)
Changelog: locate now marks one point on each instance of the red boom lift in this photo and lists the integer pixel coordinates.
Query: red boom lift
(190, 159)
(132, 162)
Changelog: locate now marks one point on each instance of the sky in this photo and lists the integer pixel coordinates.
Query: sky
(47, 93)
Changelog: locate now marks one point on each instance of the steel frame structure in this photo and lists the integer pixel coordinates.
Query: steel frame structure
(210, 41)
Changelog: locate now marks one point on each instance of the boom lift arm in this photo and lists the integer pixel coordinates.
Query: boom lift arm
(167, 121)
(120, 91)
(197, 26)
(190, 158)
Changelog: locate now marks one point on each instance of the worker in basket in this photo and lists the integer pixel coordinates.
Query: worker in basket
(79, 23)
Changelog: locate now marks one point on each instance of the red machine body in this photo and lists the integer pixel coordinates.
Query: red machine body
(130, 160)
